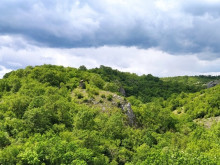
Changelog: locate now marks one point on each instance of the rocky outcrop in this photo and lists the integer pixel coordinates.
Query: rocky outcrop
(208, 122)
(122, 91)
(213, 83)
(126, 108)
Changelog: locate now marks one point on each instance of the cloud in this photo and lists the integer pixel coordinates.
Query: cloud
(3, 70)
(129, 59)
(176, 27)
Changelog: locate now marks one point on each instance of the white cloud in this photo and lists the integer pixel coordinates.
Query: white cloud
(131, 59)
(3, 70)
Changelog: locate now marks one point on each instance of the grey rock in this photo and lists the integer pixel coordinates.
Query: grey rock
(122, 91)
(126, 108)
(213, 83)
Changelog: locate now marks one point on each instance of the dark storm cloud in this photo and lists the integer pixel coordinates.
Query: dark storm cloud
(182, 27)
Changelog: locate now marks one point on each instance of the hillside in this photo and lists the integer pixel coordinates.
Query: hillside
(145, 87)
(56, 115)
(192, 80)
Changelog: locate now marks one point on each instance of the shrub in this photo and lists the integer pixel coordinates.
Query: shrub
(109, 97)
(111, 87)
(85, 100)
(79, 95)
(92, 90)
(103, 96)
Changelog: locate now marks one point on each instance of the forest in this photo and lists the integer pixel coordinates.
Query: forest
(61, 115)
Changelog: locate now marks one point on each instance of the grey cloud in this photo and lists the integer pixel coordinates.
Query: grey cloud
(131, 59)
(200, 8)
(187, 27)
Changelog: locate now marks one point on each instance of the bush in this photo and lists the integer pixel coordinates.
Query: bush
(103, 96)
(79, 95)
(92, 90)
(111, 87)
(86, 100)
(109, 97)
(119, 104)
(4, 141)
(97, 81)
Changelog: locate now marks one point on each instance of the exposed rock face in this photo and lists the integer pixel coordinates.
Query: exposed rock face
(126, 108)
(122, 91)
(82, 84)
(213, 83)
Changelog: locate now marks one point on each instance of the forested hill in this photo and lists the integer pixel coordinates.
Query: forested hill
(192, 80)
(145, 87)
(56, 115)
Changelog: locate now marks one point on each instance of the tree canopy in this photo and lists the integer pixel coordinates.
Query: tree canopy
(47, 118)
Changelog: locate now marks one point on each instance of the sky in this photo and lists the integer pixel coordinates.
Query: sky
(159, 37)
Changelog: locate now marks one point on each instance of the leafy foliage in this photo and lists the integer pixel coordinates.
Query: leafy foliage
(45, 118)
(145, 87)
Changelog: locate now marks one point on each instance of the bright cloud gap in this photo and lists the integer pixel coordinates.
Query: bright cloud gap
(128, 59)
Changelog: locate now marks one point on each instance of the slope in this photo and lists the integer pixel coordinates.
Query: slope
(47, 116)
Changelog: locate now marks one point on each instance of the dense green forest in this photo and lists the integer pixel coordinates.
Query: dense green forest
(56, 115)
